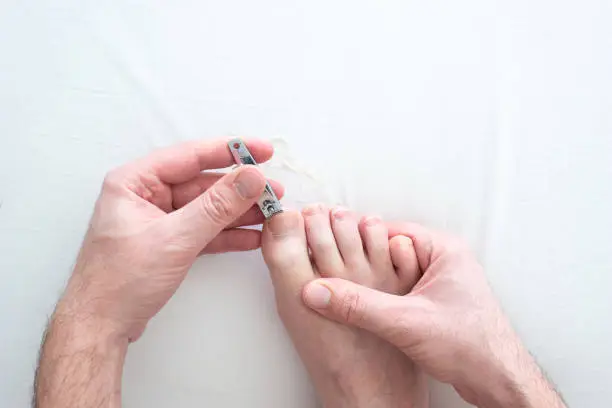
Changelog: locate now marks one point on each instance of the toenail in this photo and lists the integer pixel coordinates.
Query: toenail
(317, 296)
(313, 209)
(371, 221)
(339, 213)
(283, 223)
(405, 242)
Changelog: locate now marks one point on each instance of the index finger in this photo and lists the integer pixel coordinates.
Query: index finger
(182, 162)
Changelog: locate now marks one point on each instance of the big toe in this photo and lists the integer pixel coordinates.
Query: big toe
(285, 249)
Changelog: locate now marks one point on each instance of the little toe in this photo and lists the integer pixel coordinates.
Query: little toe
(321, 241)
(346, 231)
(404, 259)
(285, 250)
(375, 237)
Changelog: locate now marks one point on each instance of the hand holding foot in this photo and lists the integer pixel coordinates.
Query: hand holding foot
(450, 324)
(349, 366)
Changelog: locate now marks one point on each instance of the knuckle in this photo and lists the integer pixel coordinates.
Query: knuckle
(112, 180)
(452, 243)
(457, 250)
(217, 206)
(352, 308)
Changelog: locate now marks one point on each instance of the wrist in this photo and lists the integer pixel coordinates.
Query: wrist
(81, 360)
(87, 339)
(84, 331)
(88, 304)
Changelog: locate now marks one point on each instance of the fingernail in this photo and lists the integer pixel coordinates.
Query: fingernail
(284, 223)
(249, 183)
(317, 296)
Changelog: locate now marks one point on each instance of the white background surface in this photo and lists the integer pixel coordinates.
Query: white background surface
(491, 119)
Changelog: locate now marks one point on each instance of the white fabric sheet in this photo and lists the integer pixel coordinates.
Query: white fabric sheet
(489, 119)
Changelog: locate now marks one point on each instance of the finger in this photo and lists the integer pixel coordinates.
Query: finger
(177, 164)
(222, 204)
(234, 240)
(355, 305)
(186, 192)
(253, 216)
(405, 261)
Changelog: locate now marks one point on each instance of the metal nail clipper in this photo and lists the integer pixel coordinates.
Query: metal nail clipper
(268, 202)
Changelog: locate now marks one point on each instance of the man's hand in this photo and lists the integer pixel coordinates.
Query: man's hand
(450, 324)
(152, 219)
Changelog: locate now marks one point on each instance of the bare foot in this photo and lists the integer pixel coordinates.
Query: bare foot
(349, 367)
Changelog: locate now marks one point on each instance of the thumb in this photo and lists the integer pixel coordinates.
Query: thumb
(231, 196)
(355, 305)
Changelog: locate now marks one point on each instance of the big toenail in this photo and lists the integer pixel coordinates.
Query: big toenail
(370, 221)
(313, 209)
(283, 223)
(317, 296)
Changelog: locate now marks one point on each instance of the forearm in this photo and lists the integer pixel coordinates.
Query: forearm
(80, 365)
(514, 380)
(387, 391)
(526, 387)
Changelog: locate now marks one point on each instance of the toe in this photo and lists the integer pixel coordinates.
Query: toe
(285, 250)
(375, 237)
(321, 241)
(346, 232)
(405, 261)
